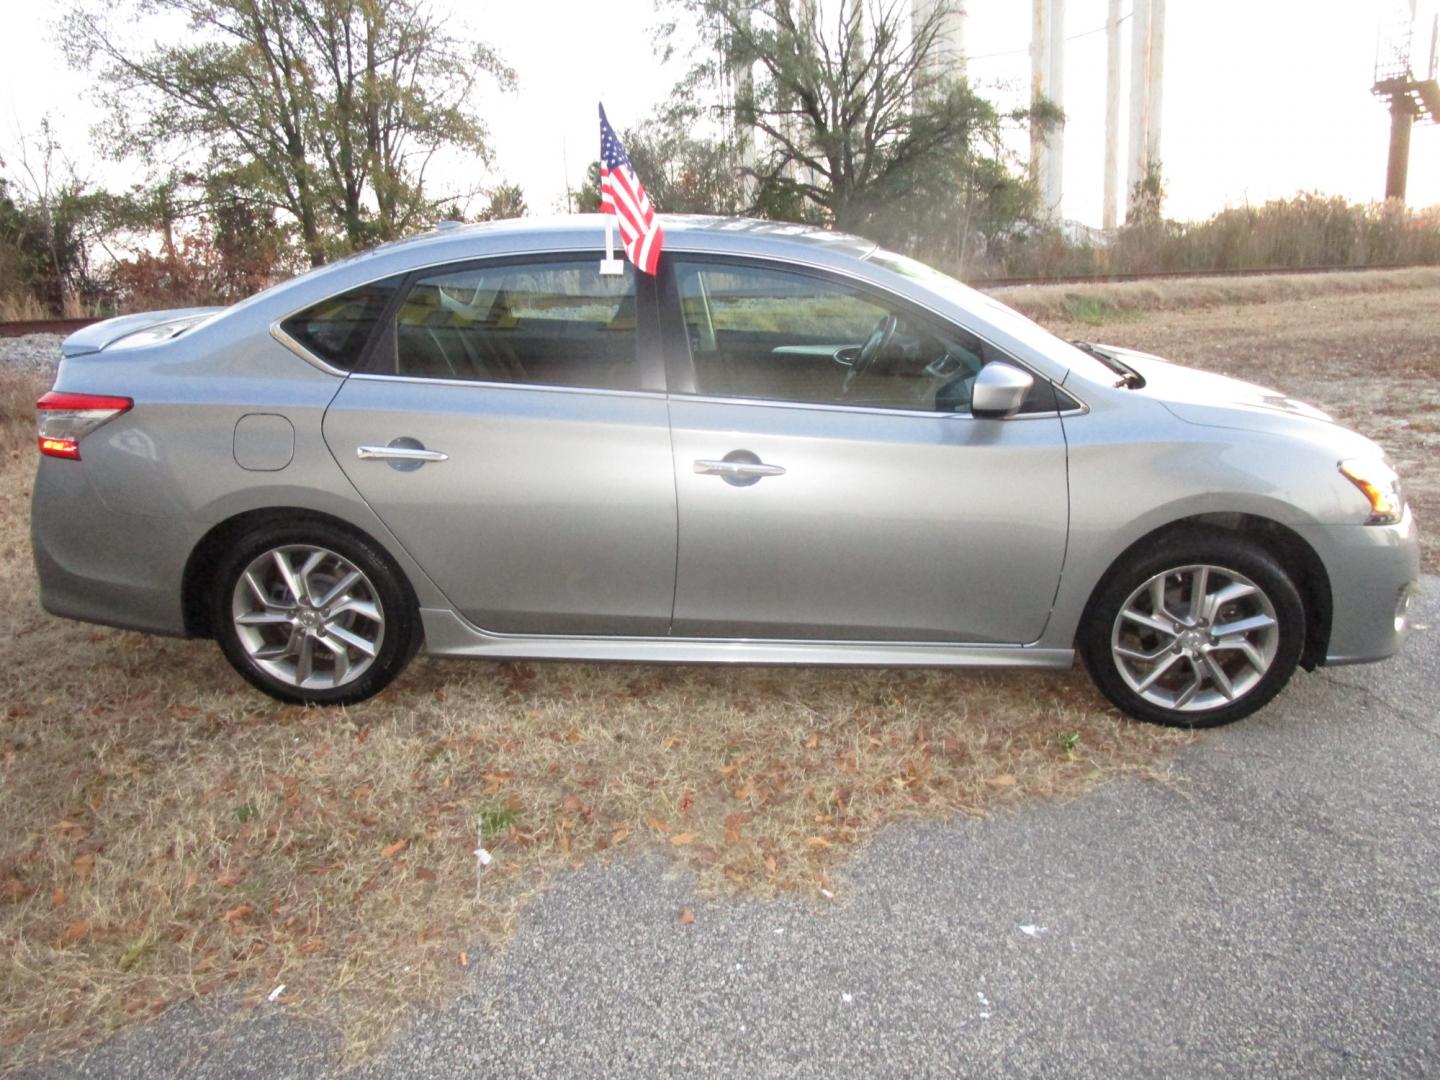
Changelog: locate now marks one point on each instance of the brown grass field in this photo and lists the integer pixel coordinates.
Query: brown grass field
(166, 833)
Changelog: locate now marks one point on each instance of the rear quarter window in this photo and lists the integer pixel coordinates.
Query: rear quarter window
(337, 329)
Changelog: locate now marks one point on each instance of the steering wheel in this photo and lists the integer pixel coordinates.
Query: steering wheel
(873, 347)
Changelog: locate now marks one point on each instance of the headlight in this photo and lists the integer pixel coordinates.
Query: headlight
(1379, 483)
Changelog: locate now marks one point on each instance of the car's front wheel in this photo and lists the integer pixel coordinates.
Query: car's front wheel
(1202, 630)
(313, 614)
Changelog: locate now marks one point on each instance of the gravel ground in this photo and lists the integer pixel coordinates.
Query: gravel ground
(38, 353)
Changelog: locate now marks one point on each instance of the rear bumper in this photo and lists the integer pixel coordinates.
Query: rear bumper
(1373, 569)
(102, 565)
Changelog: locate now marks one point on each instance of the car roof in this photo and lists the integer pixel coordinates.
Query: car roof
(683, 232)
(456, 243)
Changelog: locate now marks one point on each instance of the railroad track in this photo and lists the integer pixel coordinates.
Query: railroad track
(69, 326)
(43, 326)
(1163, 275)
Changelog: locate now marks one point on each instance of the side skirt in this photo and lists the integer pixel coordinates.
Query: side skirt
(446, 634)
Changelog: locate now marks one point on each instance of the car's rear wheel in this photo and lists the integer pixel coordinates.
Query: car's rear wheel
(1201, 631)
(313, 614)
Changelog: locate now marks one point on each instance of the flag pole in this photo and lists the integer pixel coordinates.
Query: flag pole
(610, 266)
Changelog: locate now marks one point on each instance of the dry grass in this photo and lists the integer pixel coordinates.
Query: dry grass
(22, 307)
(1369, 356)
(1101, 303)
(167, 833)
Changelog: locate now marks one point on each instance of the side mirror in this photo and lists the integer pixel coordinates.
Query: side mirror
(999, 391)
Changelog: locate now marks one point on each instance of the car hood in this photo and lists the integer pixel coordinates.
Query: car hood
(1209, 400)
(98, 336)
(1185, 389)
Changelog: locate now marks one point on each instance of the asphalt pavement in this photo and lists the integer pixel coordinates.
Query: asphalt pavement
(1275, 910)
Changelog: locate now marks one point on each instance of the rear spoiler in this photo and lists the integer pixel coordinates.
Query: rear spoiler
(99, 335)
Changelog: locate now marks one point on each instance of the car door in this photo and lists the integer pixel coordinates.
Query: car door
(831, 482)
(509, 433)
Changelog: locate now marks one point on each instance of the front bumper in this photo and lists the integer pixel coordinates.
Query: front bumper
(1373, 570)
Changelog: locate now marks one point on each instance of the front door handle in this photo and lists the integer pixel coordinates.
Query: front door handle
(399, 453)
(756, 469)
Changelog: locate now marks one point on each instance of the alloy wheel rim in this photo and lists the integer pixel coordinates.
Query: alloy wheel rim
(308, 617)
(1195, 638)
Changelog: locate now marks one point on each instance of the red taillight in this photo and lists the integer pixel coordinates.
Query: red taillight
(64, 419)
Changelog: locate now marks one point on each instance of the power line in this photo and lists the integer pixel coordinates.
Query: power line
(1073, 37)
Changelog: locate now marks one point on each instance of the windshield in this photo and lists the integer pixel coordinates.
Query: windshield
(1005, 318)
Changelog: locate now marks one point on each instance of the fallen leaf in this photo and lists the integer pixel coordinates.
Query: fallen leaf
(464, 960)
(57, 898)
(686, 917)
(1004, 780)
(235, 914)
(656, 824)
(424, 873)
(14, 890)
(391, 850)
(742, 793)
(572, 804)
(818, 841)
(812, 742)
(725, 770)
(360, 791)
(682, 838)
(83, 866)
(619, 835)
(76, 931)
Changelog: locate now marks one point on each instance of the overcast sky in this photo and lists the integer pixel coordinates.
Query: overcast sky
(1262, 98)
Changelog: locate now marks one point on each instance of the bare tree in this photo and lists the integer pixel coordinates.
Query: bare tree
(329, 111)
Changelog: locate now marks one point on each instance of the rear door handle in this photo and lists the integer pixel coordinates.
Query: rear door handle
(399, 453)
(741, 473)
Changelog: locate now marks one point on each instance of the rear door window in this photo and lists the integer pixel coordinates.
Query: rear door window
(545, 324)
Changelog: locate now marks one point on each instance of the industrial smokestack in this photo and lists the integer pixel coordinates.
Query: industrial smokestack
(945, 62)
(1112, 116)
(1147, 64)
(1047, 82)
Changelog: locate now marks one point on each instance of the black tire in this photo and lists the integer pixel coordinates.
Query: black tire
(382, 591)
(1101, 630)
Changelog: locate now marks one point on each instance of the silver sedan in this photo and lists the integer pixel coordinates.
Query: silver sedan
(788, 446)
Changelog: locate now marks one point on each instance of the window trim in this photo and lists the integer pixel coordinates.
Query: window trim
(680, 361)
(480, 384)
(649, 357)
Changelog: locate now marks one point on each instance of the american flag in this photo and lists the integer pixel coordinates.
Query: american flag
(622, 194)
